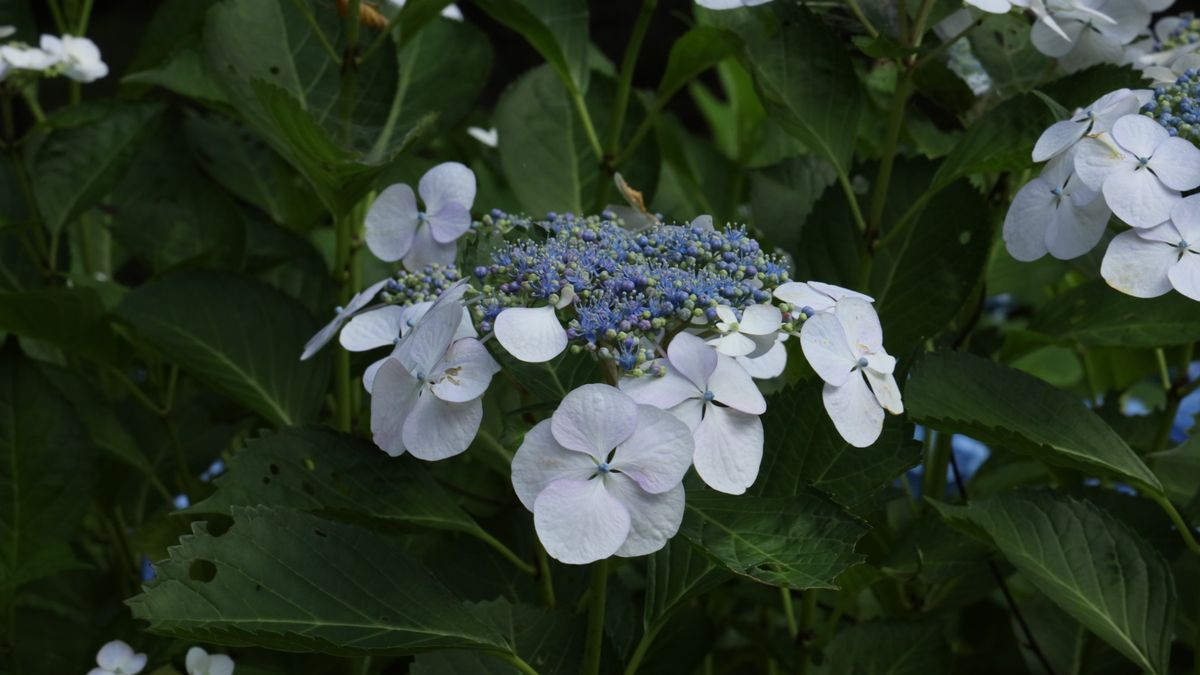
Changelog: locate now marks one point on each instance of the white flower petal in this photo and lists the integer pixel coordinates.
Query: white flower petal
(658, 453)
(1055, 39)
(992, 6)
(801, 295)
(377, 328)
(1075, 229)
(465, 372)
(729, 449)
(883, 384)
(1059, 137)
(393, 395)
(1139, 198)
(489, 137)
(196, 661)
(1025, 223)
(861, 325)
(541, 460)
(761, 320)
(391, 223)
(825, 346)
(114, 655)
(449, 223)
(1097, 158)
(1185, 275)
(666, 391)
(220, 664)
(734, 344)
(594, 418)
(767, 366)
(838, 293)
(427, 251)
(1139, 135)
(1176, 162)
(368, 377)
(357, 302)
(1185, 216)
(579, 521)
(427, 342)
(691, 358)
(855, 411)
(531, 334)
(725, 314)
(1138, 266)
(702, 222)
(733, 386)
(437, 429)
(447, 183)
(654, 518)
(690, 412)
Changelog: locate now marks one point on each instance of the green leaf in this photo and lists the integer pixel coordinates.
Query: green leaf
(803, 448)
(797, 542)
(956, 392)
(1179, 470)
(46, 473)
(334, 474)
(288, 580)
(1003, 46)
(557, 29)
(1095, 315)
(239, 336)
(784, 195)
(551, 642)
(890, 648)
(694, 52)
(86, 155)
(1001, 140)
(72, 319)
(922, 280)
(1087, 562)
(675, 574)
(804, 76)
(554, 379)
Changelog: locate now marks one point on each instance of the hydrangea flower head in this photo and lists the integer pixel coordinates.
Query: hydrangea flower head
(1149, 262)
(1176, 105)
(79, 57)
(1055, 213)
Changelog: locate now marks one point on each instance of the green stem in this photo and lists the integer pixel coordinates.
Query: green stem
(35, 107)
(1185, 530)
(595, 629)
(381, 39)
(56, 12)
(643, 646)
(341, 373)
(504, 551)
(85, 15)
(862, 18)
(891, 140)
(545, 577)
(808, 620)
(625, 83)
(934, 477)
(918, 29)
(1164, 373)
(361, 665)
(789, 612)
(306, 12)
(586, 119)
(852, 200)
(937, 51)
(515, 661)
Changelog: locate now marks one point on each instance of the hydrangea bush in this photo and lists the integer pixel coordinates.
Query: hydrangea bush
(547, 336)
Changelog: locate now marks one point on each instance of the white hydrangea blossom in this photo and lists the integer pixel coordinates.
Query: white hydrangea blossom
(118, 658)
(1150, 262)
(397, 230)
(1055, 213)
(77, 58)
(200, 662)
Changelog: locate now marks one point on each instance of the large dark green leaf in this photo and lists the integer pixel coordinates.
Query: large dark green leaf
(86, 155)
(46, 474)
(890, 649)
(1090, 564)
(239, 336)
(336, 474)
(1001, 140)
(72, 319)
(557, 29)
(804, 75)
(1095, 315)
(550, 642)
(797, 542)
(289, 580)
(784, 195)
(693, 53)
(952, 391)
(803, 448)
(1002, 45)
(675, 574)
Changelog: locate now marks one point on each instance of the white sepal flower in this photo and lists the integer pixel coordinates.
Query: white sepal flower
(27, 58)
(385, 326)
(7, 31)
(79, 56)
(845, 348)
(397, 230)
(531, 334)
(426, 398)
(1055, 213)
(357, 302)
(450, 11)
(998, 6)
(1082, 33)
(489, 137)
(200, 662)
(769, 365)
(1140, 168)
(729, 436)
(1150, 262)
(814, 297)
(118, 658)
(603, 476)
(1096, 118)
(751, 335)
(729, 4)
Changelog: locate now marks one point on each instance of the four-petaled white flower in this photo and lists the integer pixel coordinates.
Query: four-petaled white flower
(1055, 213)
(532, 334)
(998, 6)
(1095, 119)
(19, 57)
(200, 662)
(118, 658)
(397, 230)
(1082, 33)
(427, 398)
(729, 436)
(845, 348)
(1149, 262)
(1140, 168)
(387, 325)
(79, 56)
(751, 335)
(603, 476)
(813, 297)
(768, 365)
(489, 137)
(343, 314)
(729, 4)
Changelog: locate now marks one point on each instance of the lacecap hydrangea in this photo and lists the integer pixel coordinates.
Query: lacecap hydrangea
(682, 318)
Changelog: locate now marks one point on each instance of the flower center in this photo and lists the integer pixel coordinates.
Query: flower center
(422, 216)
(420, 376)
(1182, 245)
(604, 467)
(863, 362)
(1057, 192)
(1143, 161)
(708, 395)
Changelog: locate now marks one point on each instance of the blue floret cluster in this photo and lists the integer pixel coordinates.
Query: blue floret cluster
(1188, 32)
(1177, 106)
(620, 290)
